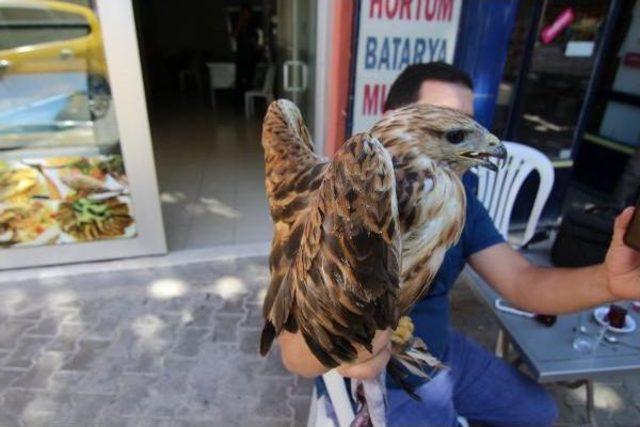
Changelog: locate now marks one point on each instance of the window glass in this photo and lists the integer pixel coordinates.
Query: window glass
(553, 90)
(21, 26)
(62, 175)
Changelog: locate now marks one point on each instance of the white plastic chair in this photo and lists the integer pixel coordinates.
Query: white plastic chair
(265, 92)
(498, 190)
(338, 395)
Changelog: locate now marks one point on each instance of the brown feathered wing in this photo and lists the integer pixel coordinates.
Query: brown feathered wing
(335, 256)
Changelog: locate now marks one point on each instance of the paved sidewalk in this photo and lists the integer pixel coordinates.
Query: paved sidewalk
(178, 347)
(168, 347)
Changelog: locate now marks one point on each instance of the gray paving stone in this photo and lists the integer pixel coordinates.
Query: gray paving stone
(64, 382)
(47, 326)
(116, 421)
(269, 422)
(174, 379)
(144, 362)
(225, 328)
(132, 399)
(89, 351)
(271, 403)
(249, 341)
(201, 315)
(258, 293)
(104, 329)
(172, 305)
(67, 337)
(27, 349)
(196, 272)
(271, 365)
(189, 342)
(87, 407)
(102, 378)
(38, 376)
(87, 314)
(253, 318)
(300, 407)
(15, 401)
(10, 331)
(232, 305)
(19, 402)
(7, 420)
(30, 314)
(39, 419)
(156, 422)
(7, 377)
(302, 387)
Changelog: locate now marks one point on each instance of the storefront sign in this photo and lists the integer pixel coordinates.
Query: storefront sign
(391, 35)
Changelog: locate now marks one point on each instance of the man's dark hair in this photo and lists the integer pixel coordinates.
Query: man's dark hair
(406, 87)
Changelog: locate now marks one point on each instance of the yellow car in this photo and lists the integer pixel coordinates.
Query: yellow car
(50, 50)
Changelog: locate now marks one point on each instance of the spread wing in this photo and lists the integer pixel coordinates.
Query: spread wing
(342, 284)
(293, 174)
(292, 168)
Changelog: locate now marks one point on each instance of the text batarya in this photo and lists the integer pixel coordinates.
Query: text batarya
(395, 53)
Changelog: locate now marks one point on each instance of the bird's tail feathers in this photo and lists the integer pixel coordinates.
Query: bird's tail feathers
(399, 376)
(267, 337)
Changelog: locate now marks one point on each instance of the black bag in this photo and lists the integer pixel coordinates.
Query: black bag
(584, 236)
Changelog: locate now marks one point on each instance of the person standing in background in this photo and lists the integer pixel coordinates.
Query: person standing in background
(246, 37)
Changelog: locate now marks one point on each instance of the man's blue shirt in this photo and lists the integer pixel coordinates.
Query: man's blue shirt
(431, 316)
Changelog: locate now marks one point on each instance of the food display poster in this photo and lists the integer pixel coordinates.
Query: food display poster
(61, 200)
(392, 34)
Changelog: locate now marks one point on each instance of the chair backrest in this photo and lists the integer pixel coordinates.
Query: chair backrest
(498, 190)
(338, 395)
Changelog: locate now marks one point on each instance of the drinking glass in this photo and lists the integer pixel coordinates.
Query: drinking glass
(586, 341)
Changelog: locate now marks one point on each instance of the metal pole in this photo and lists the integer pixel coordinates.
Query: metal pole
(598, 64)
(591, 413)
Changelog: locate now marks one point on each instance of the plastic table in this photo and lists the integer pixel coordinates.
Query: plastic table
(548, 351)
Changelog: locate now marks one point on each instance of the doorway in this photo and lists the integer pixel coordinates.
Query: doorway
(210, 69)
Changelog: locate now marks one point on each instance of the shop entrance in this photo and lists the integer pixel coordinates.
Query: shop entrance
(210, 68)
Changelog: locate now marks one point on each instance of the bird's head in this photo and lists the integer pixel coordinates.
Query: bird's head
(442, 135)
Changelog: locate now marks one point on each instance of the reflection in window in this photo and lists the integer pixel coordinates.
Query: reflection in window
(62, 175)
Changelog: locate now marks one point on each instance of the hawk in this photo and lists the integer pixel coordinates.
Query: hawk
(358, 239)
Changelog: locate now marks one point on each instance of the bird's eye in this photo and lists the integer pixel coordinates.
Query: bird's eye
(455, 136)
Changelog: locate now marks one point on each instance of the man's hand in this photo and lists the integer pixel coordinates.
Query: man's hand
(369, 365)
(622, 263)
(367, 370)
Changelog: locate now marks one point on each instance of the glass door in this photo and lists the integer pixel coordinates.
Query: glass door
(540, 102)
(77, 180)
(295, 53)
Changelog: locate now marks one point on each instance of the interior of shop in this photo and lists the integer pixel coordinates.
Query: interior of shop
(209, 71)
(588, 125)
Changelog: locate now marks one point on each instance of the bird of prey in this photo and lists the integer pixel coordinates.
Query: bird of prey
(358, 239)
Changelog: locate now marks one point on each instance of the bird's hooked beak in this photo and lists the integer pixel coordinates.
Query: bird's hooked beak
(483, 150)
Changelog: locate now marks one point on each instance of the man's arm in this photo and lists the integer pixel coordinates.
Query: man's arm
(561, 290)
(298, 358)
